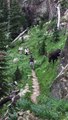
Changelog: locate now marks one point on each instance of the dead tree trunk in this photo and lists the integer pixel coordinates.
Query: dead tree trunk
(58, 13)
(14, 96)
(4, 100)
(8, 98)
(21, 34)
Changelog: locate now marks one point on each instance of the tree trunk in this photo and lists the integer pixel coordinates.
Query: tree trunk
(4, 100)
(21, 34)
(8, 98)
(14, 96)
(58, 12)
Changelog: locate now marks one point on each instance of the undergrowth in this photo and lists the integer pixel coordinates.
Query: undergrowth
(47, 107)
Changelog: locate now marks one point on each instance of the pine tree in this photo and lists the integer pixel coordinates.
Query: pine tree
(3, 65)
(42, 48)
(17, 75)
(64, 5)
(16, 19)
(3, 15)
(3, 62)
(56, 35)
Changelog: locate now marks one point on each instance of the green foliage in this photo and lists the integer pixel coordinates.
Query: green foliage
(56, 35)
(43, 112)
(3, 16)
(3, 41)
(23, 104)
(46, 73)
(13, 116)
(16, 19)
(64, 5)
(17, 75)
(42, 48)
(3, 65)
(3, 57)
(53, 23)
(42, 43)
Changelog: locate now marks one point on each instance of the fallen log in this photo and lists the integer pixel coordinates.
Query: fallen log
(4, 100)
(14, 96)
(8, 98)
(19, 36)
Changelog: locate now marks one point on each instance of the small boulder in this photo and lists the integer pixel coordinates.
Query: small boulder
(15, 60)
(26, 37)
(20, 50)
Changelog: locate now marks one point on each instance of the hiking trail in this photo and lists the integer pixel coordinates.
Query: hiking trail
(35, 86)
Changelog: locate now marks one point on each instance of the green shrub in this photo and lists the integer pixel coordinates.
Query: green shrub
(13, 116)
(17, 75)
(43, 112)
(56, 35)
(23, 104)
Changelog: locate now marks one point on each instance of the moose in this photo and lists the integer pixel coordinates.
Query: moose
(54, 55)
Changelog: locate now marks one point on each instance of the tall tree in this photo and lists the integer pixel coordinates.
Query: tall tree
(3, 42)
(3, 65)
(56, 35)
(3, 15)
(16, 19)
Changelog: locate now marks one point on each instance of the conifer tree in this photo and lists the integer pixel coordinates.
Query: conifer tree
(3, 15)
(3, 62)
(16, 19)
(42, 48)
(56, 35)
(17, 74)
(64, 5)
(3, 65)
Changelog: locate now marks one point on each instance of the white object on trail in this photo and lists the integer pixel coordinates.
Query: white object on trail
(15, 60)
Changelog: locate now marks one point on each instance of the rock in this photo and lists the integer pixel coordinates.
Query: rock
(20, 49)
(20, 118)
(7, 46)
(59, 88)
(15, 60)
(20, 113)
(26, 115)
(41, 11)
(26, 37)
(64, 21)
(66, 15)
(38, 10)
(64, 54)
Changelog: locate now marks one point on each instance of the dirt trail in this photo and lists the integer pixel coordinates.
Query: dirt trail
(35, 86)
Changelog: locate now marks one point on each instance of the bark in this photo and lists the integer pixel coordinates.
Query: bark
(14, 96)
(8, 98)
(58, 12)
(21, 34)
(4, 100)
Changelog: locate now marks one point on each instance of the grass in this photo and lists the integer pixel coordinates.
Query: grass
(47, 107)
